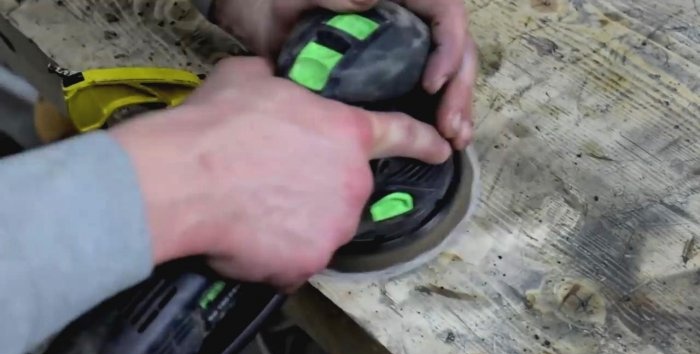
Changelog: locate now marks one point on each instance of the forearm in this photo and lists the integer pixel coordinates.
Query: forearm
(73, 232)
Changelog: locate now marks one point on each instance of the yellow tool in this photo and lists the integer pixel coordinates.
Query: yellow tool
(99, 98)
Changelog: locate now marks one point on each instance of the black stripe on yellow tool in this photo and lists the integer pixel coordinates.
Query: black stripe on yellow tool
(99, 98)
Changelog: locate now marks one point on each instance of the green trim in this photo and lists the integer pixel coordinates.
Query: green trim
(391, 206)
(357, 26)
(314, 65)
(211, 294)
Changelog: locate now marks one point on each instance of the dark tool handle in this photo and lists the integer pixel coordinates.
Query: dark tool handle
(375, 60)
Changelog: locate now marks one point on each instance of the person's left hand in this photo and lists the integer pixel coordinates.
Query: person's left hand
(262, 24)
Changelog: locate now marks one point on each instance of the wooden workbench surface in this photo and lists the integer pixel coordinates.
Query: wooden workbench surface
(588, 122)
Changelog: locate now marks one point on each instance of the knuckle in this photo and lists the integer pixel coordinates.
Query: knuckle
(410, 130)
(226, 64)
(344, 231)
(358, 179)
(358, 185)
(241, 64)
(357, 124)
(314, 263)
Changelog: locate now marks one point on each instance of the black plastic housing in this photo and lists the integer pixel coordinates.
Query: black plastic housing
(162, 315)
(382, 73)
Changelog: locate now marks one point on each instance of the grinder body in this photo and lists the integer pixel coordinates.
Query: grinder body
(374, 60)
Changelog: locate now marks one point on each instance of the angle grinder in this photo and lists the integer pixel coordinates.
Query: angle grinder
(375, 60)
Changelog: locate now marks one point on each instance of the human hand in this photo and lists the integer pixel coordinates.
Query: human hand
(262, 176)
(262, 25)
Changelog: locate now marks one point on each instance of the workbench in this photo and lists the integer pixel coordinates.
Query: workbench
(587, 115)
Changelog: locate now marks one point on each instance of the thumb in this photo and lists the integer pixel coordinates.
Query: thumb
(397, 134)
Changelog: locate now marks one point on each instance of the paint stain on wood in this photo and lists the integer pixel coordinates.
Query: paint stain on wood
(581, 303)
(450, 337)
(490, 59)
(450, 257)
(110, 35)
(433, 289)
(544, 46)
(545, 6)
(688, 250)
(576, 301)
(521, 131)
(594, 150)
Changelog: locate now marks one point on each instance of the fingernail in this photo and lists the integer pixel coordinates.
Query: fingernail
(439, 83)
(465, 137)
(456, 123)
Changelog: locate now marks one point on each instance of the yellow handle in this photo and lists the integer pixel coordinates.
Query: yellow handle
(95, 95)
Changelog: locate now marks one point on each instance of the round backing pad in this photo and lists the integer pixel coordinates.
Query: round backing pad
(424, 245)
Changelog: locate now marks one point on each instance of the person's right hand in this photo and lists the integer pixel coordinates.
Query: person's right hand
(263, 26)
(264, 177)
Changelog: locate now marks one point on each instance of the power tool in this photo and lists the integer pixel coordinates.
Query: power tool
(373, 59)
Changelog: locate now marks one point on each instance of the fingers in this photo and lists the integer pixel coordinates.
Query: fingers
(345, 5)
(243, 68)
(229, 71)
(449, 23)
(455, 121)
(399, 135)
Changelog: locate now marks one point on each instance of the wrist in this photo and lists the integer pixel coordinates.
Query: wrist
(171, 185)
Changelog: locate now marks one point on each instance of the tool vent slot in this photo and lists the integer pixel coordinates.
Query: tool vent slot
(146, 305)
(175, 338)
(332, 39)
(403, 170)
(183, 329)
(154, 313)
(137, 300)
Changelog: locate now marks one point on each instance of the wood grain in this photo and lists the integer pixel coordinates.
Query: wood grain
(587, 115)
(587, 132)
(87, 34)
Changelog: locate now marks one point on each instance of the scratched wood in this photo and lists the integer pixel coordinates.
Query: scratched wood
(587, 116)
(85, 34)
(587, 133)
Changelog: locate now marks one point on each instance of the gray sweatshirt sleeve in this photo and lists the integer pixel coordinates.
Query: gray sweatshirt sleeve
(72, 233)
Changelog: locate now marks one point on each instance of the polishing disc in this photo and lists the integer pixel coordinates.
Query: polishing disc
(422, 246)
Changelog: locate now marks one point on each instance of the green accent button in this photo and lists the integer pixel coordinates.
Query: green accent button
(391, 206)
(314, 65)
(357, 26)
(211, 294)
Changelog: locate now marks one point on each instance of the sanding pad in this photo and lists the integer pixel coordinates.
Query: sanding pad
(425, 245)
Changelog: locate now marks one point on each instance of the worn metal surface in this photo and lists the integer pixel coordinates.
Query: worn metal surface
(587, 116)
